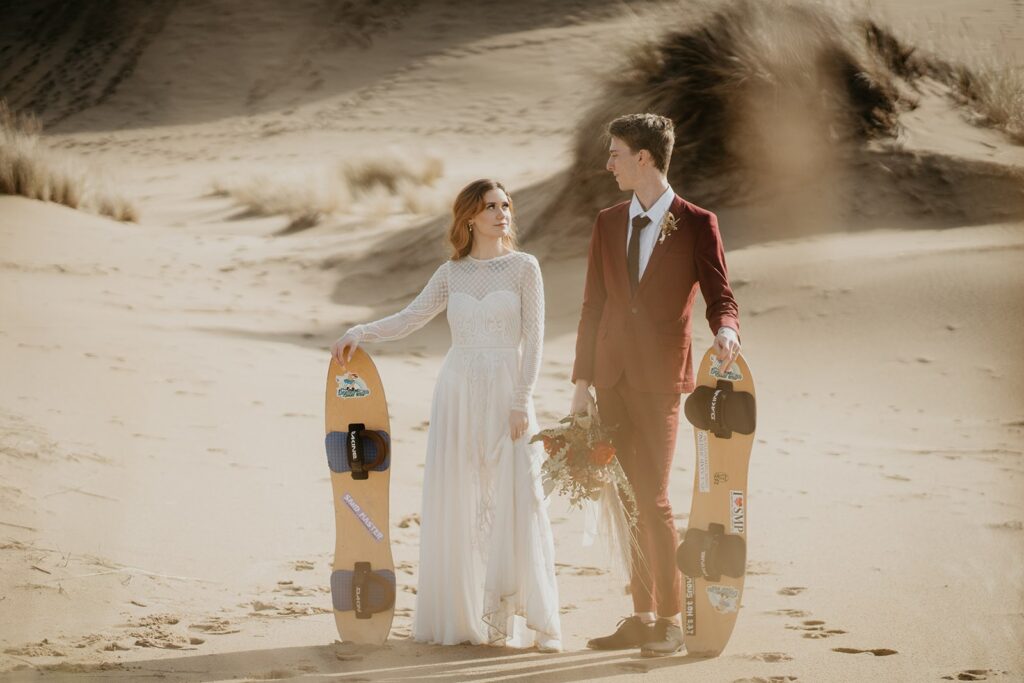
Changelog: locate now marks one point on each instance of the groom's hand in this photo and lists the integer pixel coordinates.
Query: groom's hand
(581, 398)
(727, 347)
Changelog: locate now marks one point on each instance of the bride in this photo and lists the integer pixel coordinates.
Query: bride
(486, 572)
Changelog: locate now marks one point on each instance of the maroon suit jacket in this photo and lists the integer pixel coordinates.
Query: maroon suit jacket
(646, 335)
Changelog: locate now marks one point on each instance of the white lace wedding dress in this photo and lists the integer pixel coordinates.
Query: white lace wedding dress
(486, 572)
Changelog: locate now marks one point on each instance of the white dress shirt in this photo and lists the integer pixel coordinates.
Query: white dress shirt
(649, 237)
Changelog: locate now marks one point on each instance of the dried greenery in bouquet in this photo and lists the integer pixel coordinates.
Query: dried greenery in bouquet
(581, 462)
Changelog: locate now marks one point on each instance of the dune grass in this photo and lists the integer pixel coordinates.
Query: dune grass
(746, 84)
(996, 91)
(770, 96)
(387, 183)
(30, 169)
(992, 88)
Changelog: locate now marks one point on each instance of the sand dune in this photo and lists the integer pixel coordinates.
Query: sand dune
(164, 503)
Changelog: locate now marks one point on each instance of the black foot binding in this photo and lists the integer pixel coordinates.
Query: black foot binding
(710, 553)
(631, 633)
(364, 591)
(668, 640)
(721, 410)
(359, 451)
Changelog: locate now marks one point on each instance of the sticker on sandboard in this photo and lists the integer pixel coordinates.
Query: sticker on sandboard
(737, 513)
(703, 476)
(691, 607)
(733, 375)
(351, 385)
(724, 599)
(357, 510)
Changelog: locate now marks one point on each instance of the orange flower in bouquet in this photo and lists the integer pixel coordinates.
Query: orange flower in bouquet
(552, 444)
(581, 462)
(602, 453)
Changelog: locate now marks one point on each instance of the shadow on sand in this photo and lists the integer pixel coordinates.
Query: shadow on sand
(396, 661)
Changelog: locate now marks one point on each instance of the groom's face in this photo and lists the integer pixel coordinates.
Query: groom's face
(623, 163)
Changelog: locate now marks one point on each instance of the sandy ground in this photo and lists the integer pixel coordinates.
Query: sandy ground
(165, 507)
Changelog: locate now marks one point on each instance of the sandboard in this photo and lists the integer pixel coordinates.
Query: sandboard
(712, 555)
(358, 453)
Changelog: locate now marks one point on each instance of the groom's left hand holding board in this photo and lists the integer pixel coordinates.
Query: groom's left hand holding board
(727, 347)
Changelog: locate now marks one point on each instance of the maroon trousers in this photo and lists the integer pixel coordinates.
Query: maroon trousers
(645, 441)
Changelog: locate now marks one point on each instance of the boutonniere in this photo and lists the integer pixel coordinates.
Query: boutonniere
(668, 226)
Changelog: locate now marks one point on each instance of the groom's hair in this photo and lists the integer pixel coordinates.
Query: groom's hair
(652, 132)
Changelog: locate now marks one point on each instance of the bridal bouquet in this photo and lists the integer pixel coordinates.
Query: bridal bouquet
(581, 464)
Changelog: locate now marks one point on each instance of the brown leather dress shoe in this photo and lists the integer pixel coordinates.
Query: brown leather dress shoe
(667, 640)
(631, 632)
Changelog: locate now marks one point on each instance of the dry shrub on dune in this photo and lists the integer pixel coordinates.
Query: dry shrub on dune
(29, 169)
(766, 98)
(751, 87)
(996, 91)
(993, 89)
(387, 183)
(304, 197)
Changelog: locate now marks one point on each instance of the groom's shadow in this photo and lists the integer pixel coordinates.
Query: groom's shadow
(398, 660)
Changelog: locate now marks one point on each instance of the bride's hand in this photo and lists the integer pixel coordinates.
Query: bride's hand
(517, 424)
(343, 349)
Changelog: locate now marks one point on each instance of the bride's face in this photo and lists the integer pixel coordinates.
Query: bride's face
(495, 218)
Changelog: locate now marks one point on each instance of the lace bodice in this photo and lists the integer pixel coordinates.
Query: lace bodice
(493, 303)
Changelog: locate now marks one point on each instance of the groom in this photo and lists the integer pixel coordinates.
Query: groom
(647, 257)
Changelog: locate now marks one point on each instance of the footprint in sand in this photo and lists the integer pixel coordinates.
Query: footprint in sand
(792, 590)
(406, 567)
(815, 628)
(44, 648)
(878, 651)
(161, 637)
(565, 609)
(578, 570)
(768, 679)
(303, 565)
(215, 626)
(795, 613)
(408, 521)
(769, 657)
(295, 590)
(973, 675)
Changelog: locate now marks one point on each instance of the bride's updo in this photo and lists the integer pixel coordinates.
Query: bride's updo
(468, 203)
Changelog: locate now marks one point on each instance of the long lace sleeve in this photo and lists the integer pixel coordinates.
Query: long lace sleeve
(532, 301)
(428, 303)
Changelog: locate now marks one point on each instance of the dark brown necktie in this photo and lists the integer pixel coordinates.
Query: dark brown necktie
(633, 252)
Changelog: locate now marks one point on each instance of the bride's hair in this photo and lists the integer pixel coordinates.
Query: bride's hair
(468, 203)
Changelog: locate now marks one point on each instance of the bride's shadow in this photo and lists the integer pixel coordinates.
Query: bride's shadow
(399, 660)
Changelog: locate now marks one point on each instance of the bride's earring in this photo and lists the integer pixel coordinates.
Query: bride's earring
(470, 227)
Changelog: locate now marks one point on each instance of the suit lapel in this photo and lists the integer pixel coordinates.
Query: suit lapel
(676, 209)
(618, 235)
